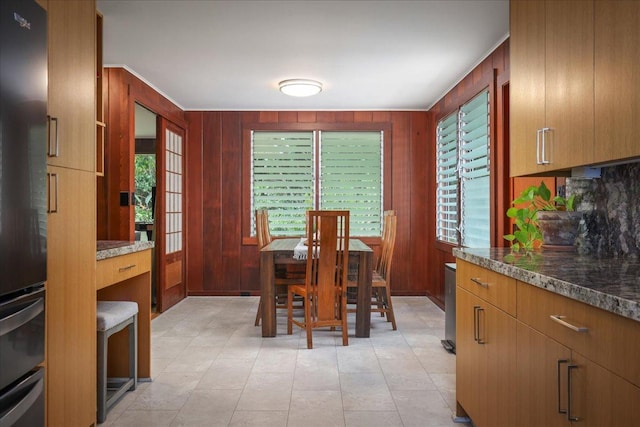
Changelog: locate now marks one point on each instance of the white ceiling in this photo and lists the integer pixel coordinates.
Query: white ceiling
(370, 55)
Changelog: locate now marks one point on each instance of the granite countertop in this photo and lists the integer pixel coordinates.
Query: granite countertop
(612, 284)
(112, 248)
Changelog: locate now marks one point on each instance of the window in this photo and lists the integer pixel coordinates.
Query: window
(293, 172)
(463, 175)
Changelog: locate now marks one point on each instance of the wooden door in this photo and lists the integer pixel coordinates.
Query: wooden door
(617, 59)
(169, 213)
(527, 85)
(540, 379)
(569, 83)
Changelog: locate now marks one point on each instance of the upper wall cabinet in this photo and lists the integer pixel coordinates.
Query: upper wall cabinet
(551, 88)
(617, 80)
(72, 83)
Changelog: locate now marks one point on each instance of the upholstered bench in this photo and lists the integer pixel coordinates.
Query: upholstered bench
(112, 317)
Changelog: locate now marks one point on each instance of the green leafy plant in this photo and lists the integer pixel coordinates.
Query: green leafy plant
(527, 234)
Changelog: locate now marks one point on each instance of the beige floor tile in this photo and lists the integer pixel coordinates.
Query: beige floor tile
(207, 408)
(259, 419)
(372, 419)
(316, 409)
(226, 374)
(142, 418)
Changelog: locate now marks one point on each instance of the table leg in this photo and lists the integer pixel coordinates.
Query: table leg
(363, 308)
(267, 292)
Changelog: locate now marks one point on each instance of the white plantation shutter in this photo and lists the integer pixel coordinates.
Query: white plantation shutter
(475, 189)
(351, 178)
(282, 179)
(447, 179)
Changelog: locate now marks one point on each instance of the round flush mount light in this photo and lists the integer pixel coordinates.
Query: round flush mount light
(300, 87)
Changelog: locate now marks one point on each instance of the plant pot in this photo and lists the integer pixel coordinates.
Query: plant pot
(559, 228)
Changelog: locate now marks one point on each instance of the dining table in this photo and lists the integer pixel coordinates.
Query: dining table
(281, 251)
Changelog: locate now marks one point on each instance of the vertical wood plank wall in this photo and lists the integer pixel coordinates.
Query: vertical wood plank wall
(220, 262)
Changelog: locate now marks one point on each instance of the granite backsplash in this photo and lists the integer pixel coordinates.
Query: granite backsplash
(611, 206)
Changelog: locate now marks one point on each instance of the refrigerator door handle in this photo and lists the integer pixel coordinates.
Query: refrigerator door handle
(21, 317)
(14, 414)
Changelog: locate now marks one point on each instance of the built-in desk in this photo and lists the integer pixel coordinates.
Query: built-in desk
(123, 273)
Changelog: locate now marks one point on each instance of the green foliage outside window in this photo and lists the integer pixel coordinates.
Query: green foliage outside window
(145, 177)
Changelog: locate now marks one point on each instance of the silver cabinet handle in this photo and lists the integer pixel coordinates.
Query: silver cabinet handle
(53, 193)
(476, 331)
(543, 158)
(569, 416)
(560, 410)
(560, 319)
(478, 282)
(126, 267)
(52, 149)
(476, 324)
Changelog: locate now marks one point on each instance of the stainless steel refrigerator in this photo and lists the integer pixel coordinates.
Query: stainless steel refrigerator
(23, 211)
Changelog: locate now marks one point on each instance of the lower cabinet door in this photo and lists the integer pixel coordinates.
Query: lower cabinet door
(485, 361)
(600, 398)
(541, 379)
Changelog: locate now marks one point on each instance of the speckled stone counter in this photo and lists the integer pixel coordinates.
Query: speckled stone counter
(612, 284)
(112, 248)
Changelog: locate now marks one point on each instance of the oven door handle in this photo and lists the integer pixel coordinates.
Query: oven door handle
(21, 317)
(15, 414)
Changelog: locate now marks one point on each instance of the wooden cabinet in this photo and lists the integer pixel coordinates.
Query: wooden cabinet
(71, 308)
(485, 346)
(551, 85)
(71, 230)
(617, 99)
(72, 81)
(584, 370)
(530, 357)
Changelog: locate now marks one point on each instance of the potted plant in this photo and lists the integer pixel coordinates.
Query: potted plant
(541, 219)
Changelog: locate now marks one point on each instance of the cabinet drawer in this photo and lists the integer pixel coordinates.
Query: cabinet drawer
(608, 339)
(492, 287)
(123, 267)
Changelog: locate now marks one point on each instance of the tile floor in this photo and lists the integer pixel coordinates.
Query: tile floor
(211, 367)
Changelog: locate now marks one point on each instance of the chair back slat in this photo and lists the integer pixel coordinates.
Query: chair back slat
(388, 244)
(262, 228)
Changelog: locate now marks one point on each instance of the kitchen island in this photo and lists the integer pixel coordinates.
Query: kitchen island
(123, 273)
(547, 338)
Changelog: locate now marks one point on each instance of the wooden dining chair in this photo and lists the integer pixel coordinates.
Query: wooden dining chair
(282, 279)
(381, 276)
(324, 290)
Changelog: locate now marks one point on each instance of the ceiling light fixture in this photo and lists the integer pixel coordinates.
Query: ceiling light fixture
(300, 87)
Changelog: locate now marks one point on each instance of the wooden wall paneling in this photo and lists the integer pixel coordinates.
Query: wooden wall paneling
(422, 202)
(211, 201)
(363, 116)
(400, 186)
(194, 218)
(306, 116)
(287, 117)
(268, 117)
(231, 202)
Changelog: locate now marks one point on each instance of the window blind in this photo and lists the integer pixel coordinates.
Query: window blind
(447, 179)
(475, 189)
(351, 170)
(282, 179)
